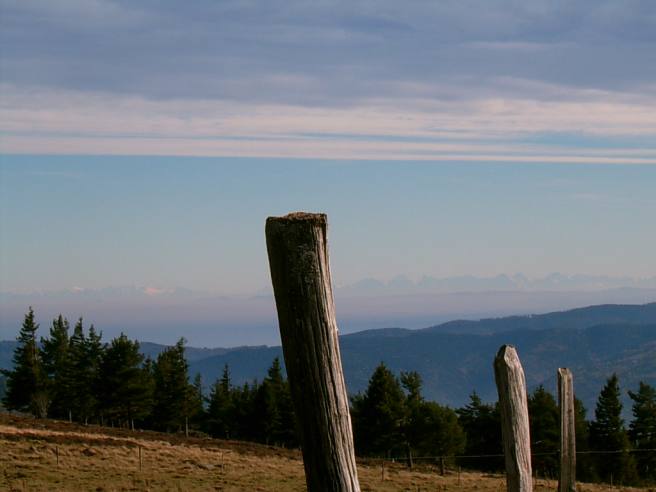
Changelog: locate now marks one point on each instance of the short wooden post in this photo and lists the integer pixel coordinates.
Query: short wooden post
(511, 386)
(442, 465)
(186, 426)
(57, 454)
(300, 273)
(567, 478)
(140, 459)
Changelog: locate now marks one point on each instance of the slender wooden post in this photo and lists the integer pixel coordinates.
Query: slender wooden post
(140, 459)
(300, 273)
(513, 405)
(567, 479)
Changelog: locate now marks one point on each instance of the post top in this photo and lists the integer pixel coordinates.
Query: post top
(506, 349)
(312, 218)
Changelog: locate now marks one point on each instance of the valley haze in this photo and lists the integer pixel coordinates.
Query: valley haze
(205, 319)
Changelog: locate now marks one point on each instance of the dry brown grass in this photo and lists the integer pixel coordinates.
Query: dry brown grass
(103, 459)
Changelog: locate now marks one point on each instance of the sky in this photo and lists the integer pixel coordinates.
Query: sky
(547, 81)
(145, 143)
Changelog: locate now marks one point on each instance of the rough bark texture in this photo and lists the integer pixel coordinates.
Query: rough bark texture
(567, 479)
(298, 259)
(513, 405)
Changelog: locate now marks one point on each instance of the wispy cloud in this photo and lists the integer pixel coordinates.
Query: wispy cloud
(448, 80)
(495, 129)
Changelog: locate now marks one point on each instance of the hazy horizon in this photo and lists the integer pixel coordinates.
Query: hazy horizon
(206, 319)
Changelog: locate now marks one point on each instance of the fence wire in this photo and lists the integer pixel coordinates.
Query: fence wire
(501, 455)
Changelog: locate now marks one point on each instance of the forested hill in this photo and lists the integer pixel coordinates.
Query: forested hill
(574, 318)
(456, 357)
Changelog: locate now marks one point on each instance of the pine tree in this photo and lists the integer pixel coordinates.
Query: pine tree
(415, 414)
(171, 394)
(430, 429)
(93, 351)
(81, 374)
(127, 384)
(196, 403)
(438, 431)
(55, 358)
(85, 356)
(544, 419)
(585, 468)
(269, 417)
(27, 383)
(243, 416)
(379, 415)
(482, 425)
(642, 429)
(607, 433)
(220, 418)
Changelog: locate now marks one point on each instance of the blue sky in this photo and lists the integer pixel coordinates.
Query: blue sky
(144, 143)
(92, 222)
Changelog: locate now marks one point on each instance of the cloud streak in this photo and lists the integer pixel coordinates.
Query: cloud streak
(443, 81)
(494, 129)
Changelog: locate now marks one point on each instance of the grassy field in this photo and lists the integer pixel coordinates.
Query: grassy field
(104, 459)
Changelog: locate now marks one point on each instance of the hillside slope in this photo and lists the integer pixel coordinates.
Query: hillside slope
(58, 456)
(453, 365)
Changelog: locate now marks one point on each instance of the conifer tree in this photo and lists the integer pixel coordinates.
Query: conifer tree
(269, 419)
(78, 378)
(85, 355)
(220, 418)
(430, 429)
(415, 415)
(378, 415)
(26, 383)
(244, 416)
(196, 402)
(642, 430)
(585, 468)
(93, 352)
(607, 434)
(438, 430)
(171, 393)
(482, 425)
(3, 389)
(127, 383)
(544, 419)
(55, 357)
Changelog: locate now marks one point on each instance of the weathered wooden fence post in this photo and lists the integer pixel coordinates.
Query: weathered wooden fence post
(567, 478)
(300, 273)
(513, 405)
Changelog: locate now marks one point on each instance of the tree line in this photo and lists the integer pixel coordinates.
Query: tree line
(76, 376)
